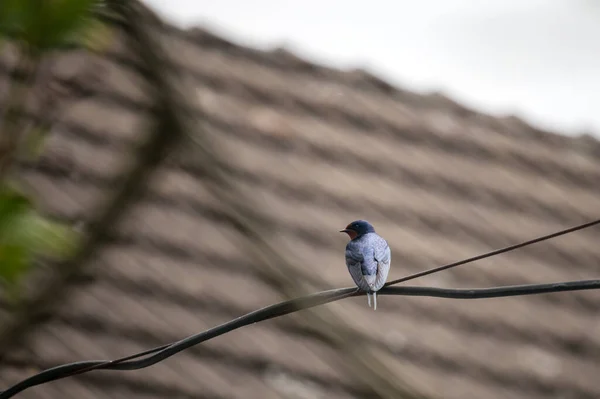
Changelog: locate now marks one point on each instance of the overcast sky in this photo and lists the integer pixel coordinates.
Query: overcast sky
(538, 59)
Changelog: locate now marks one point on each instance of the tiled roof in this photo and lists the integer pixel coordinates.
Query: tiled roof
(316, 148)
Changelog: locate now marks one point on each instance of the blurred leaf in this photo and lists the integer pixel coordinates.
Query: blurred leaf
(14, 261)
(24, 234)
(12, 204)
(13, 256)
(68, 18)
(42, 236)
(45, 24)
(95, 36)
(11, 16)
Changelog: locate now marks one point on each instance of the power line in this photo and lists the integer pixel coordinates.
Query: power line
(155, 355)
(493, 253)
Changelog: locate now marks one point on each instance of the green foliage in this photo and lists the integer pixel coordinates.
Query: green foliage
(37, 26)
(14, 257)
(11, 203)
(44, 25)
(25, 234)
(15, 262)
(40, 235)
(95, 36)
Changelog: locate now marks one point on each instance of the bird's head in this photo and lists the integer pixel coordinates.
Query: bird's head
(358, 228)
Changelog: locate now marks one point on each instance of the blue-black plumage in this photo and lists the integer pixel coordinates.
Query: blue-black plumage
(368, 258)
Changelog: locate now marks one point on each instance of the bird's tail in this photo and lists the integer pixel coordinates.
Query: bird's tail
(374, 293)
(374, 299)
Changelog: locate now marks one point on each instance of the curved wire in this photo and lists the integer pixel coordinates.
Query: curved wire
(155, 355)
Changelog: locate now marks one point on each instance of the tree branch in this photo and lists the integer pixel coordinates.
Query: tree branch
(155, 355)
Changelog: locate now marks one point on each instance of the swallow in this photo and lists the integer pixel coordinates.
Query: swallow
(368, 258)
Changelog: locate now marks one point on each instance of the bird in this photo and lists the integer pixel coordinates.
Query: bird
(368, 258)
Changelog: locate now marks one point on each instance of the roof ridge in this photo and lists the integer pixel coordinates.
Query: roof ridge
(284, 57)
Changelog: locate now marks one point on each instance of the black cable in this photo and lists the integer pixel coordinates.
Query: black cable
(280, 309)
(162, 352)
(169, 350)
(493, 253)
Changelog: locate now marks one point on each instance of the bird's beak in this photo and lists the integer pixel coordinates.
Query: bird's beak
(351, 233)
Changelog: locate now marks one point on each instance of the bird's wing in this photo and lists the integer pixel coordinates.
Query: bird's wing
(353, 257)
(383, 257)
(355, 260)
(382, 252)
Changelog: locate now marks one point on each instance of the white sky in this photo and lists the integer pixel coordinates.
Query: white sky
(538, 59)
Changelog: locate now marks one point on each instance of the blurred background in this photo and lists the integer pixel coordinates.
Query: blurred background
(166, 167)
(536, 59)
